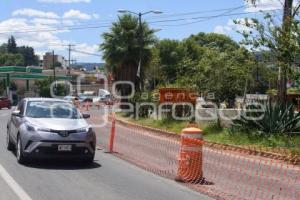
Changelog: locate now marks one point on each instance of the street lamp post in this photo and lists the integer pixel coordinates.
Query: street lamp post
(141, 42)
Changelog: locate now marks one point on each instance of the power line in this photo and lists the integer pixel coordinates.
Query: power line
(58, 29)
(196, 12)
(107, 23)
(208, 18)
(154, 17)
(93, 22)
(87, 53)
(204, 17)
(151, 22)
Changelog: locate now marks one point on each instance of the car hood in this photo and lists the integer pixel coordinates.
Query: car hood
(58, 123)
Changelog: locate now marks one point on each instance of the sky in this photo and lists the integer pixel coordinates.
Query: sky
(50, 25)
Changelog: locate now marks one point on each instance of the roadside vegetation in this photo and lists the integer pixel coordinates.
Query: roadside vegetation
(13, 55)
(276, 143)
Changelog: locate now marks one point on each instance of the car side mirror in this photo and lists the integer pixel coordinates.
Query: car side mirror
(16, 113)
(86, 116)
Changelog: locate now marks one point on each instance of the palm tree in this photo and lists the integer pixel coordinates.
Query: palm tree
(121, 49)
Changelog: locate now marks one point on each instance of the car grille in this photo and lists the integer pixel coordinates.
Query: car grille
(63, 133)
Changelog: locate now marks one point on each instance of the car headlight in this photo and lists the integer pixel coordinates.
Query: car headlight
(84, 130)
(32, 128)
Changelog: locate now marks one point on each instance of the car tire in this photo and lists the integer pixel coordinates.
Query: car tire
(9, 145)
(19, 152)
(9, 107)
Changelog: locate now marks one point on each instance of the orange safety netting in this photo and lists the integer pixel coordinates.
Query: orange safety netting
(226, 174)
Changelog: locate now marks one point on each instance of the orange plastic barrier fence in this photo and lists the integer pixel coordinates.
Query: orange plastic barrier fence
(225, 174)
(112, 133)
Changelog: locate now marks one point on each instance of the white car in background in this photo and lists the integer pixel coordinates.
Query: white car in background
(104, 95)
(90, 96)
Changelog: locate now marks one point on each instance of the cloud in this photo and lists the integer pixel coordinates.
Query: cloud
(219, 29)
(231, 26)
(264, 5)
(43, 41)
(84, 47)
(65, 1)
(28, 12)
(26, 32)
(41, 30)
(96, 16)
(76, 14)
(44, 21)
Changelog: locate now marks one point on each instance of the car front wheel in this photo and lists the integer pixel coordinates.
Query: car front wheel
(19, 151)
(9, 144)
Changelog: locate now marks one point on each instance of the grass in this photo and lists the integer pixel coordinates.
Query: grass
(213, 133)
(165, 124)
(276, 144)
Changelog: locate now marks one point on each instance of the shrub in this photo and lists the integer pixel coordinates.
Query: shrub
(276, 119)
(138, 99)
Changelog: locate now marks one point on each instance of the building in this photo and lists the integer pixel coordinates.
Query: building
(59, 61)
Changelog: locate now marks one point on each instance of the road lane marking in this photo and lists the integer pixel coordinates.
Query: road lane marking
(18, 190)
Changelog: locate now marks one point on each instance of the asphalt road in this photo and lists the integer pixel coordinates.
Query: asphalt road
(109, 178)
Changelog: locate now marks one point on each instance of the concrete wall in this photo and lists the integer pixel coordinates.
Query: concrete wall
(210, 115)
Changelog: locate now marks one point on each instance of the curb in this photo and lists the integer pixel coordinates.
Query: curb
(291, 159)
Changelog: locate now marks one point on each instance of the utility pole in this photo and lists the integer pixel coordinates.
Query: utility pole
(69, 60)
(73, 61)
(54, 73)
(139, 71)
(53, 65)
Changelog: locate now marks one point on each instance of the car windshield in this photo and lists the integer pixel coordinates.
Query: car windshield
(86, 95)
(51, 109)
(103, 93)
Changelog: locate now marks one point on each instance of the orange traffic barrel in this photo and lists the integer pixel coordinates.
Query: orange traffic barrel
(190, 156)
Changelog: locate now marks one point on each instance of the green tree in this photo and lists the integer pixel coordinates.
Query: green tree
(8, 59)
(170, 54)
(3, 48)
(28, 55)
(281, 39)
(121, 49)
(215, 40)
(153, 73)
(10, 48)
(12, 45)
(221, 73)
(43, 87)
(57, 64)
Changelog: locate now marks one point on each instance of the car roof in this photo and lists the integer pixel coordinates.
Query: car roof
(45, 99)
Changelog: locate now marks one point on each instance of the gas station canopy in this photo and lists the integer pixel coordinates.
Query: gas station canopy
(16, 72)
